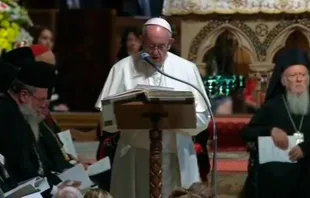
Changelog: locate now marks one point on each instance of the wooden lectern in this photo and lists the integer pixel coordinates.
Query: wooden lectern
(156, 114)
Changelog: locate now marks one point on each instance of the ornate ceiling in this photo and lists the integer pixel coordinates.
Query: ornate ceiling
(203, 7)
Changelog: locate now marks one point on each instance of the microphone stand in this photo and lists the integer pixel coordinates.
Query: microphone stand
(214, 162)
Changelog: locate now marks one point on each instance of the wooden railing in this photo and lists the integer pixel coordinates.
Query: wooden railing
(82, 125)
(80, 121)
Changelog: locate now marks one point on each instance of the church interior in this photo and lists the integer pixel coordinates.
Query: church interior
(232, 45)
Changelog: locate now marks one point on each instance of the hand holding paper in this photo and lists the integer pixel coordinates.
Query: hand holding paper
(269, 152)
(99, 167)
(77, 173)
(66, 138)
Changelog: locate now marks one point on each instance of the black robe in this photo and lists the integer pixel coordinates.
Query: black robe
(52, 146)
(276, 180)
(6, 182)
(18, 145)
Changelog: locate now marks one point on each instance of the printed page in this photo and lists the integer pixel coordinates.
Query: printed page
(66, 138)
(77, 173)
(42, 184)
(99, 167)
(21, 191)
(269, 152)
(150, 87)
(34, 195)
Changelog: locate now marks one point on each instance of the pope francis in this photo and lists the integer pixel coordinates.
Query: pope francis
(130, 173)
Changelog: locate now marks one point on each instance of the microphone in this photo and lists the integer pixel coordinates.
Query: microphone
(147, 58)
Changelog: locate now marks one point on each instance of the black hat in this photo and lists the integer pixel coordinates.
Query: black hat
(283, 61)
(18, 56)
(37, 74)
(11, 62)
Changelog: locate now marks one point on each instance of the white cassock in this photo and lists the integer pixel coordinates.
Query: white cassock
(130, 173)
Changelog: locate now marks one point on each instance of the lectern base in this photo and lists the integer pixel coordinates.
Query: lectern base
(156, 172)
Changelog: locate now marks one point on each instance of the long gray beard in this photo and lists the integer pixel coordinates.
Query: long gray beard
(32, 119)
(298, 104)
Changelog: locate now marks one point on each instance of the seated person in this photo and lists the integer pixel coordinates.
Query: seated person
(48, 127)
(284, 113)
(20, 110)
(57, 101)
(60, 160)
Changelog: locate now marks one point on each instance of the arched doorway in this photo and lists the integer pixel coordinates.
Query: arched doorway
(227, 58)
(295, 40)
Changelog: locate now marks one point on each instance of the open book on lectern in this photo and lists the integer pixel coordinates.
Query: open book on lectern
(140, 92)
(150, 92)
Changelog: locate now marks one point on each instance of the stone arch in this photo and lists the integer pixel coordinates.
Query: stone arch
(205, 40)
(280, 40)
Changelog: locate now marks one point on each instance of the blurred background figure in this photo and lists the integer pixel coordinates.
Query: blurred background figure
(130, 43)
(68, 192)
(97, 193)
(147, 8)
(45, 37)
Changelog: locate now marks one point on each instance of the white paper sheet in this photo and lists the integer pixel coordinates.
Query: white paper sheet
(34, 195)
(269, 152)
(108, 117)
(86, 150)
(150, 87)
(77, 173)
(66, 138)
(25, 188)
(99, 167)
(2, 159)
(42, 184)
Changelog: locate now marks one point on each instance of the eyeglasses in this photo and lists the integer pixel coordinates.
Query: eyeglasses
(41, 100)
(161, 47)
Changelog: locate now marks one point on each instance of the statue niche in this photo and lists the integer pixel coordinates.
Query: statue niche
(226, 58)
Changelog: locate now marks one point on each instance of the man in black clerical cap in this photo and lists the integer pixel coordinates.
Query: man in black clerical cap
(285, 113)
(12, 62)
(19, 123)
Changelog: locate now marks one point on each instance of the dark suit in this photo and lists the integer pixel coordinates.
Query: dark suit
(134, 8)
(83, 4)
(19, 147)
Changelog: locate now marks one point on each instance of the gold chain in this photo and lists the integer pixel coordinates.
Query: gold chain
(59, 143)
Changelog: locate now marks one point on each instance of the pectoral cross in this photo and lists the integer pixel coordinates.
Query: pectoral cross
(299, 137)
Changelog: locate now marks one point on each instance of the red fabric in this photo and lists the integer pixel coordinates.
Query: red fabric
(249, 90)
(198, 148)
(229, 135)
(38, 49)
(102, 153)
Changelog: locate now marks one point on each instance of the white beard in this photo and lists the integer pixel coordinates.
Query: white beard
(298, 105)
(32, 119)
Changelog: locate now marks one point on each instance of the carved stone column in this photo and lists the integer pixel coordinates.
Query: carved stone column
(202, 69)
(261, 73)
